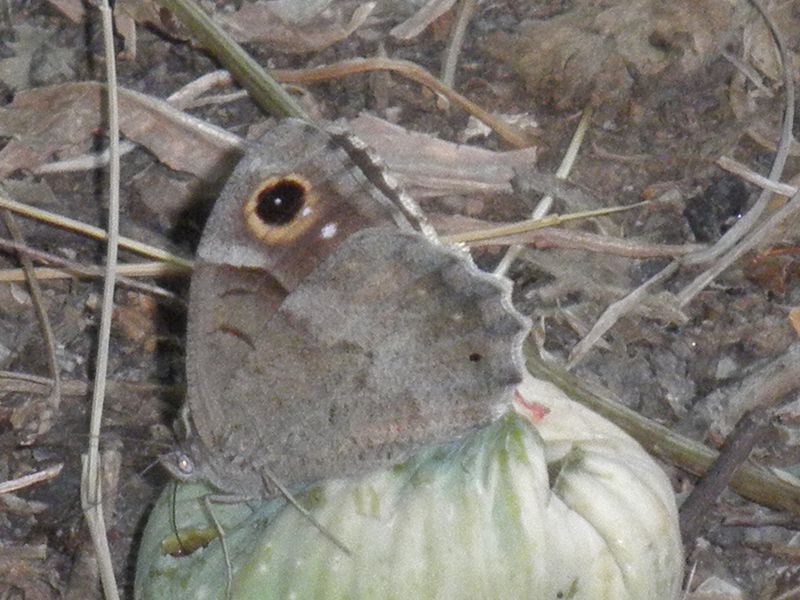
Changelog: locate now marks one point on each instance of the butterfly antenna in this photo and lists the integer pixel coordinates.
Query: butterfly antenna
(174, 517)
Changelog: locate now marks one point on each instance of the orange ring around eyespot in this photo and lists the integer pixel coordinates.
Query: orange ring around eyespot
(281, 234)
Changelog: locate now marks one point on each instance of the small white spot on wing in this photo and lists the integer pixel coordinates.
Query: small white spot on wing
(328, 230)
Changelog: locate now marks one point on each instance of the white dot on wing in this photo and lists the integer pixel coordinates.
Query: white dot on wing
(328, 230)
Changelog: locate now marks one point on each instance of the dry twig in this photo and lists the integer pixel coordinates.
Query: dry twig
(93, 232)
(769, 487)
(754, 239)
(54, 401)
(416, 24)
(491, 233)
(734, 166)
(570, 239)
(11, 381)
(726, 251)
(738, 446)
(264, 90)
(749, 220)
(466, 8)
(544, 205)
(72, 269)
(613, 313)
(26, 481)
(772, 381)
(411, 71)
(91, 486)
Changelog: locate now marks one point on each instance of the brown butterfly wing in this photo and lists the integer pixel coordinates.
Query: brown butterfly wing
(251, 255)
(390, 344)
(336, 339)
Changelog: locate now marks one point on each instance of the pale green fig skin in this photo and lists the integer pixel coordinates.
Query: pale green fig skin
(480, 518)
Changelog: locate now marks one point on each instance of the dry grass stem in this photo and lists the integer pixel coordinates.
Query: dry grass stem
(84, 162)
(749, 220)
(756, 237)
(530, 224)
(189, 93)
(26, 481)
(54, 401)
(91, 482)
(92, 232)
(749, 72)
(764, 388)
(410, 71)
(737, 168)
(601, 152)
(421, 19)
(770, 487)
(146, 269)
(70, 269)
(613, 313)
(728, 242)
(466, 8)
(544, 205)
(11, 381)
(567, 239)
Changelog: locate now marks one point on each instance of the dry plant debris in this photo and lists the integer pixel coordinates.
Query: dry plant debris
(675, 89)
(594, 52)
(288, 28)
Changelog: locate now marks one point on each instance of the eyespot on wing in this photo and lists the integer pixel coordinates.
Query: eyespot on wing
(281, 209)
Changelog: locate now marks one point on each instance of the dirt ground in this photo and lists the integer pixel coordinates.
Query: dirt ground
(672, 89)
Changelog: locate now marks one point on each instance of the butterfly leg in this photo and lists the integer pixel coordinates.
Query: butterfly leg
(270, 480)
(223, 499)
(207, 500)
